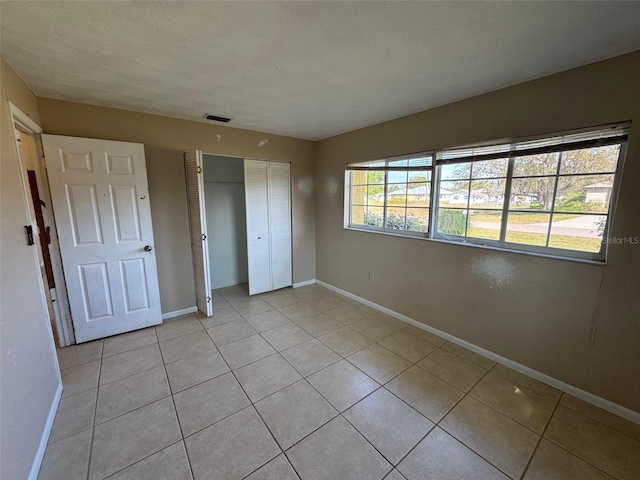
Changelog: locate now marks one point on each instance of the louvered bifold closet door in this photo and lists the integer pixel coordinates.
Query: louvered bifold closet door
(198, 224)
(258, 243)
(279, 186)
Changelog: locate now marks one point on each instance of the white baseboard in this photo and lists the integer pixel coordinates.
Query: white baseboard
(177, 313)
(305, 283)
(607, 405)
(44, 440)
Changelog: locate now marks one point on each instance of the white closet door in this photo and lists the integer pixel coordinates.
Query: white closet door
(257, 204)
(198, 223)
(280, 222)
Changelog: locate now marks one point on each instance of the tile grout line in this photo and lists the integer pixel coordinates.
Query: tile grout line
(95, 411)
(79, 364)
(533, 452)
(175, 319)
(342, 358)
(338, 414)
(252, 405)
(305, 378)
(175, 410)
(341, 414)
(142, 459)
(572, 453)
(436, 424)
(380, 385)
(135, 409)
(172, 394)
(507, 416)
(598, 421)
(131, 375)
(521, 384)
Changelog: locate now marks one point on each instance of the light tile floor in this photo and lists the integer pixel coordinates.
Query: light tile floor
(308, 384)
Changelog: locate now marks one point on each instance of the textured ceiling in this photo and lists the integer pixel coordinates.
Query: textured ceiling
(303, 69)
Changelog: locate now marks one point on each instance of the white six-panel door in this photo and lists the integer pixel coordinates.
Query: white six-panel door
(101, 205)
(268, 203)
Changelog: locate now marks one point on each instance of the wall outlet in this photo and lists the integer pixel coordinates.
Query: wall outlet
(372, 276)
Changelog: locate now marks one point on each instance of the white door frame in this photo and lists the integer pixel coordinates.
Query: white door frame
(61, 310)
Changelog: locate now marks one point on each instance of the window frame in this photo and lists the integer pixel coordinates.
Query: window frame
(386, 168)
(592, 138)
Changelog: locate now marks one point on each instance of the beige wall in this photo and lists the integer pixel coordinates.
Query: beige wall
(156, 132)
(29, 374)
(532, 310)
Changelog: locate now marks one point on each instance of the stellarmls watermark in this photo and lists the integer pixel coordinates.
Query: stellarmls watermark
(621, 240)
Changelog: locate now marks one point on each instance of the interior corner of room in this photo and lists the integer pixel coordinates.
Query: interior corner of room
(575, 324)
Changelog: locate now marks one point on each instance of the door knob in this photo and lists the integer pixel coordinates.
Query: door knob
(147, 248)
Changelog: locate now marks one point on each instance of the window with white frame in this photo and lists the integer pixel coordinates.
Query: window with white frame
(550, 195)
(392, 194)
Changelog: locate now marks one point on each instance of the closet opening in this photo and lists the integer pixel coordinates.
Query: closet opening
(225, 208)
(240, 222)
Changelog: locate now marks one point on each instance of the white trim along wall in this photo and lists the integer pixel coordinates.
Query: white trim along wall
(562, 386)
(177, 313)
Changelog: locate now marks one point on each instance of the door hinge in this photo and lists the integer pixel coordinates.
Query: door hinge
(204, 237)
(199, 169)
(208, 299)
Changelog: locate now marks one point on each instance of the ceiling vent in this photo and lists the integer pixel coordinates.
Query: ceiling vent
(216, 118)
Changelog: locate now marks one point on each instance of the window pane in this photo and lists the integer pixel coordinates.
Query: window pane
(533, 165)
(528, 228)
(376, 163)
(375, 177)
(469, 151)
(420, 176)
(488, 193)
(418, 194)
(399, 163)
(425, 161)
(357, 214)
(584, 193)
(590, 160)
(577, 232)
(397, 195)
(484, 224)
(375, 194)
(358, 177)
(490, 168)
(374, 216)
(534, 193)
(359, 195)
(455, 194)
(452, 221)
(458, 170)
(397, 177)
(418, 219)
(395, 218)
